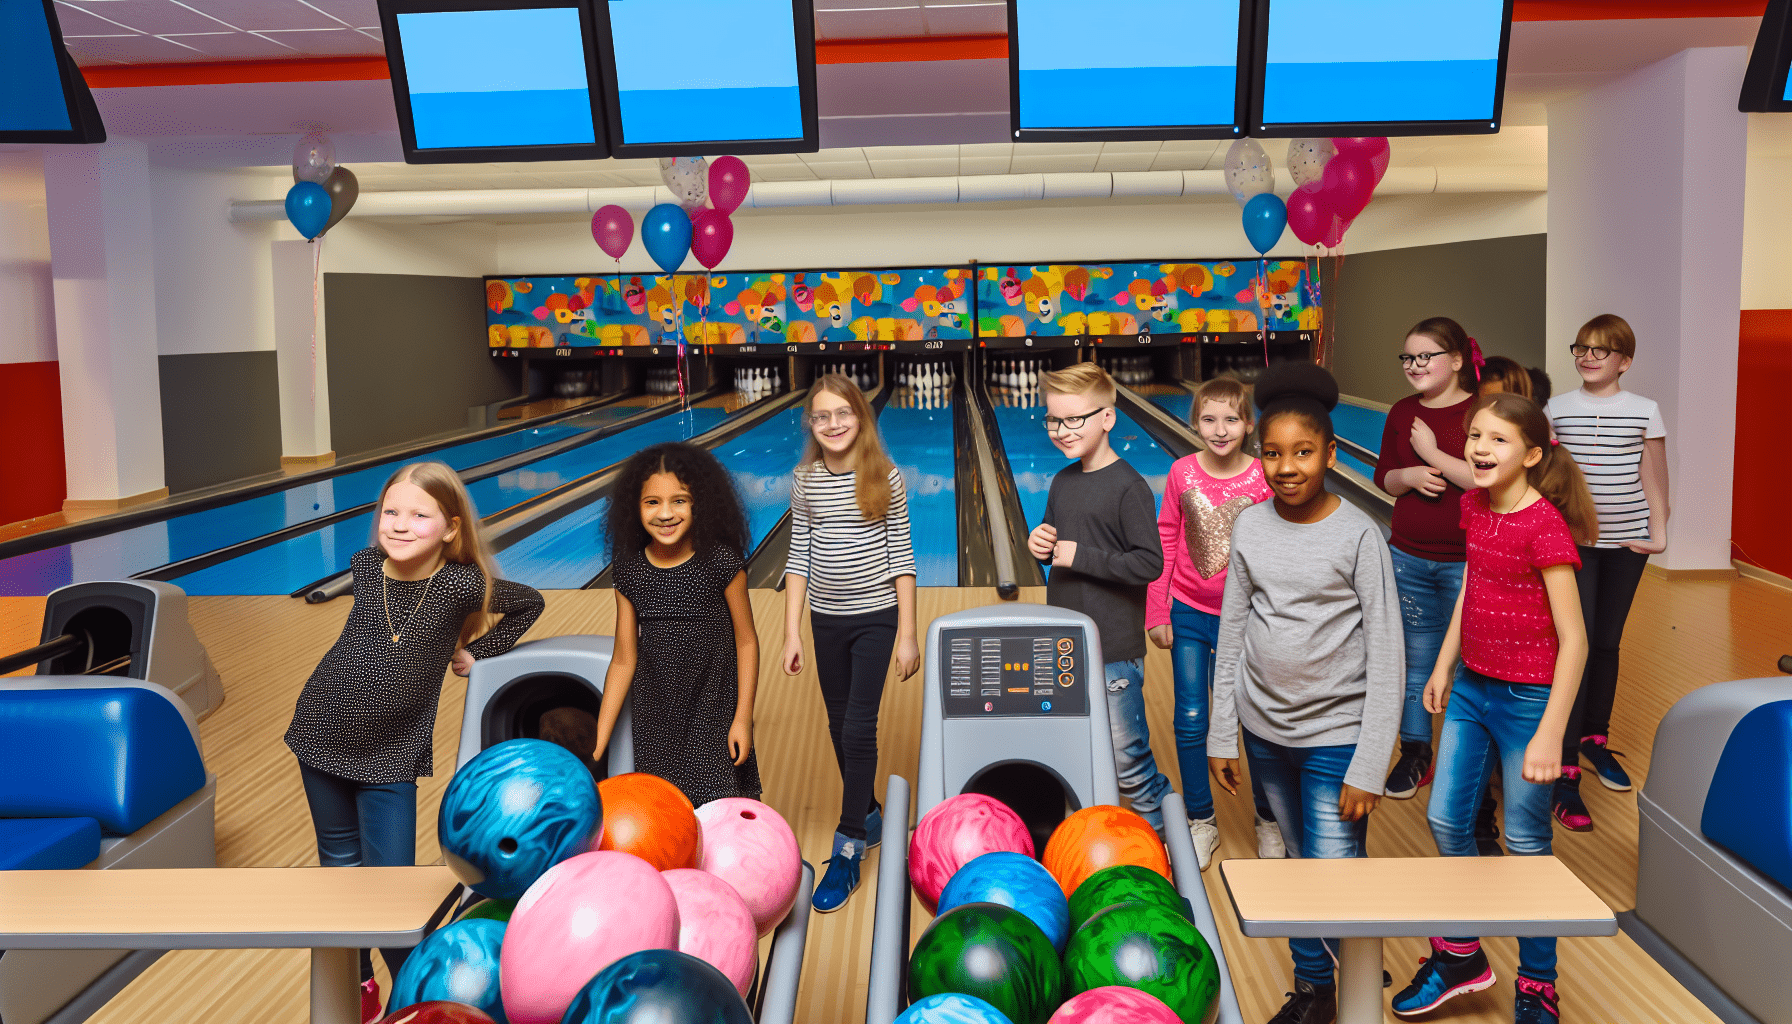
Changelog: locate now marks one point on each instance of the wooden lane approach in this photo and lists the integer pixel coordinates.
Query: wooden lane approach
(331, 911)
(1362, 901)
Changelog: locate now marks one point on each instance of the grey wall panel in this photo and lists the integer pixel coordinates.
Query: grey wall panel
(220, 417)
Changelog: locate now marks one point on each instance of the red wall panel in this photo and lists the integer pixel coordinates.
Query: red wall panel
(32, 477)
(1758, 533)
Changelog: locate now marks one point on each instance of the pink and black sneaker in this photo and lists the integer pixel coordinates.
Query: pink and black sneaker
(1536, 1003)
(1452, 970)
(1569, 809)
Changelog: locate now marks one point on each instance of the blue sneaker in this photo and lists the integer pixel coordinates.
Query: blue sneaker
(1605, 763)
(1441, 978)
(841, 878)
(874, 828)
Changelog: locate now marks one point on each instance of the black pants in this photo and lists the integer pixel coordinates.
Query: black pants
(1607, 580)
(852, 657)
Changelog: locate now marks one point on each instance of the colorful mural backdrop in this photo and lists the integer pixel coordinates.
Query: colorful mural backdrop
(898, 305)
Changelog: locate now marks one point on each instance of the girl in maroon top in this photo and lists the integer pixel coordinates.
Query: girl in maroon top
(1421, 465)
(1518, 629)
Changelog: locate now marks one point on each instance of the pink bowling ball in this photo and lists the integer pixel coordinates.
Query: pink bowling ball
(582, 915)
(714, 924)
(751, 847)
(1114, 1004)
(958, 830)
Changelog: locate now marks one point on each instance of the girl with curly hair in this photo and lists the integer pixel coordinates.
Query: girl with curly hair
(686, 657)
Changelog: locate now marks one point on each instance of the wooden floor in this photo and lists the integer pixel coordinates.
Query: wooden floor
(1681, 635)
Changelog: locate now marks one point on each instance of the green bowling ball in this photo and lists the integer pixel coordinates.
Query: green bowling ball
(1146, 947)
(993, 952)
(1122, 883)
(496, 910)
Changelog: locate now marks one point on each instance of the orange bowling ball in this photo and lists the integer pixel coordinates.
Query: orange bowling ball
(1091, 839)
(651, 818)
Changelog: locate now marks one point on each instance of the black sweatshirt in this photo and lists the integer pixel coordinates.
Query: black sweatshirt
(1112, 516)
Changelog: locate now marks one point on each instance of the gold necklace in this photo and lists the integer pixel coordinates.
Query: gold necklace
(386, 600)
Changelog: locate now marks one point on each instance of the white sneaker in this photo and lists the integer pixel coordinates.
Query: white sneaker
(1206, 836)
(1269, 841)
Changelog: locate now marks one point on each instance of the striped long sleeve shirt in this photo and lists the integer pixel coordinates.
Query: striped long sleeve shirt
(1605, 436)
(851, 563)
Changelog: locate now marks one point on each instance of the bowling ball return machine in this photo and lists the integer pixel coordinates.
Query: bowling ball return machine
(507, 697)
(1014, 707)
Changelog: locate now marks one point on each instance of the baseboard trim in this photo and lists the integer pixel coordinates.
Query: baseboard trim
(1691, 574)
(1683, 970)
(307, 461)
(1768, 576)
(113, 504)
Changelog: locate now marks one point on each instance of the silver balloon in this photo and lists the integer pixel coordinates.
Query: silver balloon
(314, 158)
(688, 178)
(1307, 159)
(1248, 171)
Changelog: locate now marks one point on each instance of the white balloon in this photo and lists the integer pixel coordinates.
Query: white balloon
(314, 158)
(688, 178)
(1307, 159)
(1248, 170)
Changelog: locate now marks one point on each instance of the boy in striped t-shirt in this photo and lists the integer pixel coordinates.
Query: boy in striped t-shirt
(1618, 440)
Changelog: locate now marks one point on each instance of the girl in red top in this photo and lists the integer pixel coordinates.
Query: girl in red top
(1519, 632)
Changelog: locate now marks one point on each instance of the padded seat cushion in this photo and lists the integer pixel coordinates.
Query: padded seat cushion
(37, 844)
(1748, 809)
(121, 756)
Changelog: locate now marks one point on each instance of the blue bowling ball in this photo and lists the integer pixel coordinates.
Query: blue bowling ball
(952, 1008)
(513, 812)
(658, 986)
(1017, 881)
(458, 963)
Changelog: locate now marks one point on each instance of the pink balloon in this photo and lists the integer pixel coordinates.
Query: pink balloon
(1114, 1004)
(1350, 181)
(751, 847)
(714, 924)
(1334, 232)
(728, 183)
(582, 915)
(956, 831)
(613, 229)
(712, 234)
(1373, 148)
(1310, 212)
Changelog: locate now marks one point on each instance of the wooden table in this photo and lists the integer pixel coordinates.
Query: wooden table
(1361, 902)
(331, 911)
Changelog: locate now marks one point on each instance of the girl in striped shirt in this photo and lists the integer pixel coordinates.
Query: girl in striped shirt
(852, 563)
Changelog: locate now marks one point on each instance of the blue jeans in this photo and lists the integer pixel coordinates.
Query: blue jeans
(1489, 719)
(1191, 659)
(1303, 785)
(1140, 781)
(362, 825)
(1428, 592)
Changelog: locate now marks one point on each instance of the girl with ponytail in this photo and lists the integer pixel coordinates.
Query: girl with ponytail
(1518, 631)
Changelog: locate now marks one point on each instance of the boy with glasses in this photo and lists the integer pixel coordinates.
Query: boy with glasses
(1100, 540)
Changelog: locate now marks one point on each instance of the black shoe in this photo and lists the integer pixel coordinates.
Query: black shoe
(1309, 1004)
(1411, 771)
(1536, 1003)
(1487, 830)
(1569, 809)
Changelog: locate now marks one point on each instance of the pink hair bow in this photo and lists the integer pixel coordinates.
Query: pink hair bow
(1475, 357)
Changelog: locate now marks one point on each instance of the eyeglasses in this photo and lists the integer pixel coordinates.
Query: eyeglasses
(840, 416)
(1054, 423)
(1598, 355)
(1422, 360)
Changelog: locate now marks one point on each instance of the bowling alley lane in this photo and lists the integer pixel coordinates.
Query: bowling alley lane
(920, 441)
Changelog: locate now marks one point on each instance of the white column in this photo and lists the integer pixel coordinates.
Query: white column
(1645, 221)
(102, 266)
(299, 347)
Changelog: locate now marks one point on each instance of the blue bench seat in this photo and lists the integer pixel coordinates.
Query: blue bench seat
(37, 844)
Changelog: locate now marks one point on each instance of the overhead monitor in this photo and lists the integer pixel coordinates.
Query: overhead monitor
(1766, 86)
(1379, 67)
(43, 97)
(1127, 69)
(701, 77)
(479, 81)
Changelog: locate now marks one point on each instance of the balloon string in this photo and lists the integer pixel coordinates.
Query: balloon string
(1263, 310)
(317, 256)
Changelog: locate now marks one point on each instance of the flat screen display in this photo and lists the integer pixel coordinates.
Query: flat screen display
(497, 78)
(1767, 85)
(1122, 68)
(712, 76)
(1417, 63)
(42, 95)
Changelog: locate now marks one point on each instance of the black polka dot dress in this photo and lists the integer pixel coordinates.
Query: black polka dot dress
(368, 713)
(687, 674)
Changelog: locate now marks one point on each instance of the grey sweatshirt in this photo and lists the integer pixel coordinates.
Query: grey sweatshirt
(1310, 652)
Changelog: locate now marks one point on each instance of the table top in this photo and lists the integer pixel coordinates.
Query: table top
(1389, 897)
(220, 908)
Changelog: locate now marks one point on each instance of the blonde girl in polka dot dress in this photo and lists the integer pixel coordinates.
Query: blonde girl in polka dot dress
(363, 728)
(686, 657)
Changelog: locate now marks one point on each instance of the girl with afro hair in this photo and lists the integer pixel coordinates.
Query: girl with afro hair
(686, 656)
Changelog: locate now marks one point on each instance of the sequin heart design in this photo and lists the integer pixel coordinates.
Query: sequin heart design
(1208, 529)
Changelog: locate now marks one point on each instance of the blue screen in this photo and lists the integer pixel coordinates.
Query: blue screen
(31, 98)
(706, 70)
(1372, 61)
(1127, 63)
(497, 78)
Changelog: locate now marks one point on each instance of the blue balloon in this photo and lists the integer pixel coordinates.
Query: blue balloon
(666, 232)
(514, 811)
(458, 963)
(308, 207)
(1264, 218)
(655, 986)
(951, 1008)
(1013, 880)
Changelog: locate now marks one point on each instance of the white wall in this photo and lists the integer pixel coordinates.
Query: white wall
(212, 277)
(29, 335)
